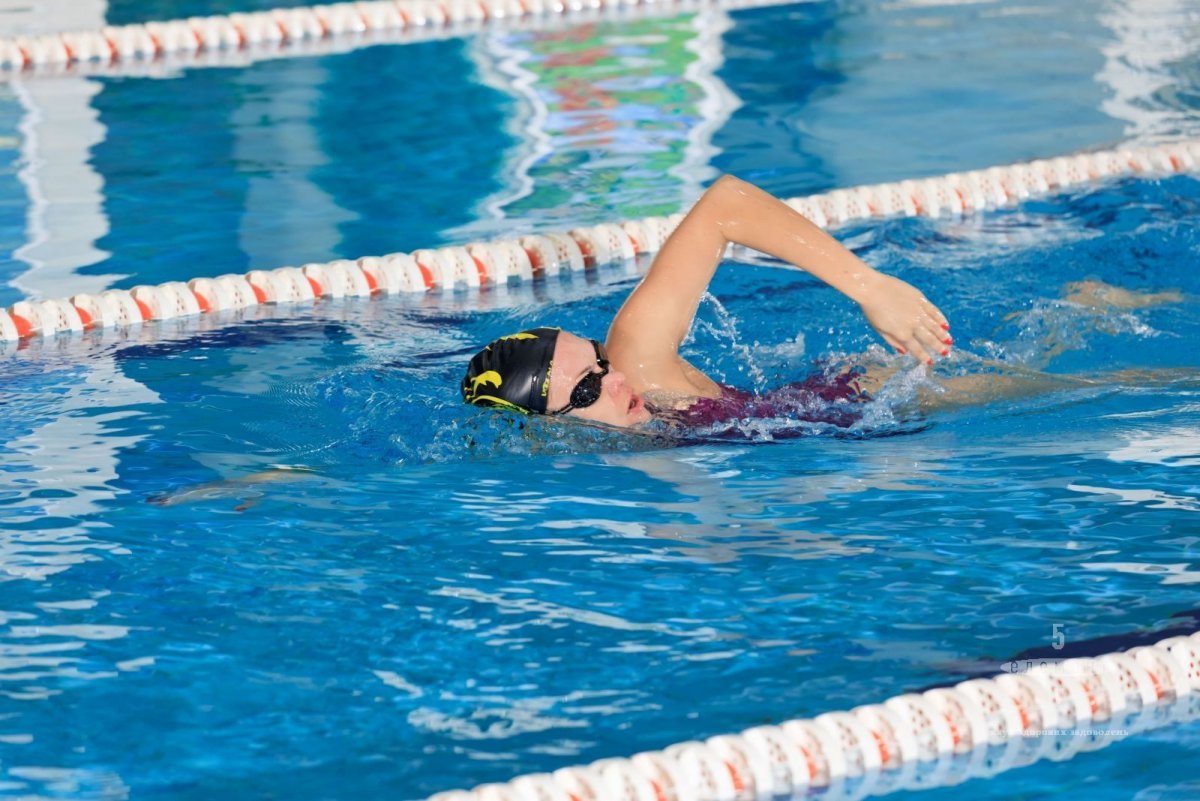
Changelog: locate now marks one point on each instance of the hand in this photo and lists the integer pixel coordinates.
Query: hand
(905, 318)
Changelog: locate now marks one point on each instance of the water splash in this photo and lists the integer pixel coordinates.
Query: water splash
(724, 329)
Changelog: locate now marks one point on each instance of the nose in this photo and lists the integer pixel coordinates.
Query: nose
(615, 379)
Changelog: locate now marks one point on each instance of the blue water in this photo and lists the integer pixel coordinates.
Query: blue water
(446, 597)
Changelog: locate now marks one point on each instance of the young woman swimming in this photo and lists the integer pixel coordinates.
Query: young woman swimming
(638, 370)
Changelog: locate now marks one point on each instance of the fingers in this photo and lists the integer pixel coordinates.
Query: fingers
(930, 344)
(925, 340)
(937, 328)
(919, 342)
(908, 343)
(944, 340)
(895, 343)
(935, 313)
(913, 325)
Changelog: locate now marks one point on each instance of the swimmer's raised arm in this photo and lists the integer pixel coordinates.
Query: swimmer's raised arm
(654, 320)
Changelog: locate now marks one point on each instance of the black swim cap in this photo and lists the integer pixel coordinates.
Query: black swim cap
(513, 372)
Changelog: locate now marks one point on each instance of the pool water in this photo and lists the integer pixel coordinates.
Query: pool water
(271, 555)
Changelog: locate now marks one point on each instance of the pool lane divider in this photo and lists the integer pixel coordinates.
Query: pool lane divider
(937, 738)
(201, 41)
(541, 256)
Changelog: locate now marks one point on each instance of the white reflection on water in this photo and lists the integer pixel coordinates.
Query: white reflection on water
(1174, 573)
(398, 682)
(65, 214)
(1150, 38)
(73, 453)
(63, 471)
(547, 611)
(67, 783)
(505, 718)
(82, 631)
(1152, 498)
(1175, 447)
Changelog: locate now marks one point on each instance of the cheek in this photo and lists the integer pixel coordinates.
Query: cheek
(621, 405)
(618, 412)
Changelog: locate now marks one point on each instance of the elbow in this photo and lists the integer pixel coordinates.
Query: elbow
(724, 192)
(723, 203)
(727, 185)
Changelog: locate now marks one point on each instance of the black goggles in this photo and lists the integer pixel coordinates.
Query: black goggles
(587, 391)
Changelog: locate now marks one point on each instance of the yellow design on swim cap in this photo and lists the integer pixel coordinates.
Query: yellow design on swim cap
(522, 335)
(489, 377)
(500, 402)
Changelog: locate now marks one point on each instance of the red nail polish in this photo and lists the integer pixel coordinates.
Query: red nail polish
(946, 352)
(929, 362)
(948, 341)
(901, 351)
(945, 326)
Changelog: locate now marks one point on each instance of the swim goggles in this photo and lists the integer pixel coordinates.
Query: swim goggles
(587, 391)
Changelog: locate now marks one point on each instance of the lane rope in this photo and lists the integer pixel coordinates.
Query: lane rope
(942, 737)
(546, 255)
(222, 40)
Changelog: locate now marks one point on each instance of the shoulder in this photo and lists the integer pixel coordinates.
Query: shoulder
(650, 370)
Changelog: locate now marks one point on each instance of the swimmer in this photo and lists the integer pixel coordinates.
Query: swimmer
(638, 372)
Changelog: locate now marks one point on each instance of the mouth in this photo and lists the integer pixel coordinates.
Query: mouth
(635, 402)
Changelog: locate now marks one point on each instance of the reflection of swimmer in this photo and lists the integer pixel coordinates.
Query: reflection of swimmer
(639, 369)
(638, 373)
(1098, 295)
(243, 489)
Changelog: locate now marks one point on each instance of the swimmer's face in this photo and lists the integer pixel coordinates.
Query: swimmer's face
(618, 404)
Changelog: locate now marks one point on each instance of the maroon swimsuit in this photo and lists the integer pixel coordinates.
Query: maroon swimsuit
(819, 398)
